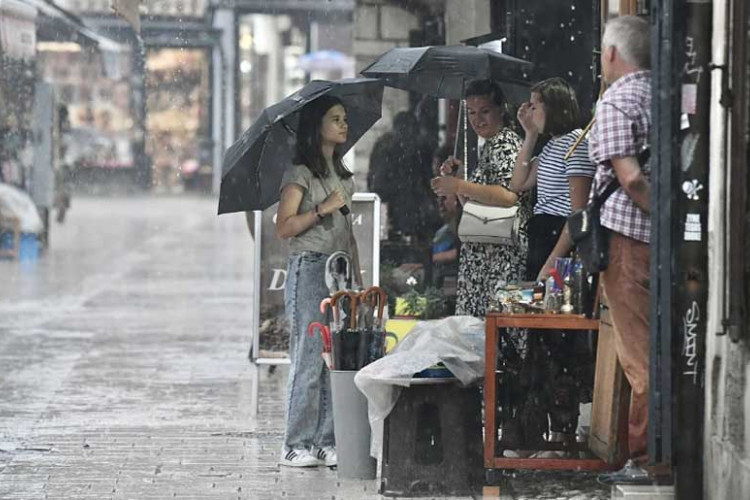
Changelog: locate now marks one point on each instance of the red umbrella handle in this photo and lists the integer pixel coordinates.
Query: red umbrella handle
(325, 333)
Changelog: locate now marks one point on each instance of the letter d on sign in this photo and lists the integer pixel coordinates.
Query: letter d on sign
(279, 279)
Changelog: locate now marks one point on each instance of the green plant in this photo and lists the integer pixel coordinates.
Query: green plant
(427, 305)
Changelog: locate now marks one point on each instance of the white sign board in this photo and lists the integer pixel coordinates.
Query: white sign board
(270, 331)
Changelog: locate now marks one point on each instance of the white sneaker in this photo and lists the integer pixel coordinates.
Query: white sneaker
(327, 456)
(299, 458)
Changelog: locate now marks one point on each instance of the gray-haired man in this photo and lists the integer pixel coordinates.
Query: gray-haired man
(621, 131)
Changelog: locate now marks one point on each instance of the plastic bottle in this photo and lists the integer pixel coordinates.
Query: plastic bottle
(579, 287)
(549, 289)
(568, 307)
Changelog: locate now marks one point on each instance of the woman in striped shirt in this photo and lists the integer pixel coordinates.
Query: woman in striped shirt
(559, 367)
(562, 185)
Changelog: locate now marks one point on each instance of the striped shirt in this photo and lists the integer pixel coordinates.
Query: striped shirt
(622, 127)
(553, 172)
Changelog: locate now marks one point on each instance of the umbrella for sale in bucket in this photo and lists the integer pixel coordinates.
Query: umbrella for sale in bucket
(345, 337)
(375, 297)
(325, 333)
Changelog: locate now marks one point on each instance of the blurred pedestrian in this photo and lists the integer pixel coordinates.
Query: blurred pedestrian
(313, 191)
(445, 243)
(63, 173)
(400, 159)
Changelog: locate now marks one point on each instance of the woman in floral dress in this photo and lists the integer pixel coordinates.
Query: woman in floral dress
(483, 265)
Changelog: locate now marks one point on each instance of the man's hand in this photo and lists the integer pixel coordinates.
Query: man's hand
(632, 180)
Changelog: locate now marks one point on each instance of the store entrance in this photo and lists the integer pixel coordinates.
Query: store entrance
(178, 125)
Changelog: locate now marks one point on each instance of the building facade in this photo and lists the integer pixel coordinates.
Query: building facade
(727, 418)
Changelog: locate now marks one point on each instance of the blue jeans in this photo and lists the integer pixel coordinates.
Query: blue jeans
(309, 411)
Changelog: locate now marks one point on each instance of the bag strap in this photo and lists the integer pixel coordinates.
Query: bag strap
(598, 201)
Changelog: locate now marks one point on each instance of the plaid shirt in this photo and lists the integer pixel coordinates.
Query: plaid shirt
(622, 127)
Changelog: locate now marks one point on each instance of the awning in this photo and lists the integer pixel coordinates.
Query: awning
(55, 24)
(17, 29)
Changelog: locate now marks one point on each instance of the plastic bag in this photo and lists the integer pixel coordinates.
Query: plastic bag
(18, 204)
(457, 342)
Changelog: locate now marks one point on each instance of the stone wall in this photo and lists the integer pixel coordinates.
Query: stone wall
(727, 421)
(378, 27)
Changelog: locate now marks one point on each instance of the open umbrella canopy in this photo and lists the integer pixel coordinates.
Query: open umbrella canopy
(442, 71)
(255, 164)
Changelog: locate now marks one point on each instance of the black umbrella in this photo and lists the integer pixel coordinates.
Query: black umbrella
(255, 164)
(442, 71)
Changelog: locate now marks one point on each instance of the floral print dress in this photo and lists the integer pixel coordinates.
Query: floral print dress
(482, 265)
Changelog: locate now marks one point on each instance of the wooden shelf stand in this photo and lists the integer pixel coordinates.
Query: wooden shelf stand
(499, 321)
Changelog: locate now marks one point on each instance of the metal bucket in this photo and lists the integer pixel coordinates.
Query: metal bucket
(352, 428)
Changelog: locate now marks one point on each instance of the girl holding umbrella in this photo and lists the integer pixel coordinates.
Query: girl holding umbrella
(313, 192)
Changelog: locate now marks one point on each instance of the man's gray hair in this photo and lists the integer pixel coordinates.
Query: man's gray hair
(630, 35)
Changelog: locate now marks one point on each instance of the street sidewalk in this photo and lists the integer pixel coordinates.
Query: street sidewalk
(124, 371)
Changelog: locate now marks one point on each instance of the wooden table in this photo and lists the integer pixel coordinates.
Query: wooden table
(495, 322)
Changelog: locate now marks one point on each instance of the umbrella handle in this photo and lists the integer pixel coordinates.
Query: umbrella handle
(320, 327)
(324, 304)
(391, 335)
(377, 296)
(353, 302)
(325, 333)
(458, 127)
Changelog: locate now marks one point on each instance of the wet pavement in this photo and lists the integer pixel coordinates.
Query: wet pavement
(124, 371)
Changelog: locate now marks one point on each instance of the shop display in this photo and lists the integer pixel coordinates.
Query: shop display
(568, 290)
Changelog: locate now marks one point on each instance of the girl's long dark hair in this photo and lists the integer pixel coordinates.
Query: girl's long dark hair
(308, 151)
(560, 106)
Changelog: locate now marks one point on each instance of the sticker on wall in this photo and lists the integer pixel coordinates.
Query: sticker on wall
(689, 98)
(687, 150)
(684, 121)
(691, 189)
(693, 228)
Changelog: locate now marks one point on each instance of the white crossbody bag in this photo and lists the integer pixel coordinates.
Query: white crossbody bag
(482, 223)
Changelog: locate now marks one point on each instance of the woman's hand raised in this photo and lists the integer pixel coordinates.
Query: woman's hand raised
(450, 166)
(524, 115)
(446, 185)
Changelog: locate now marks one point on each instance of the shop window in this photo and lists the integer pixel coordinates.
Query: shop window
(269, 50)
(178, 123)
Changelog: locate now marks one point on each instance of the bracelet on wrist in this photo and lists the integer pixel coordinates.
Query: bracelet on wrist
(318, 214)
